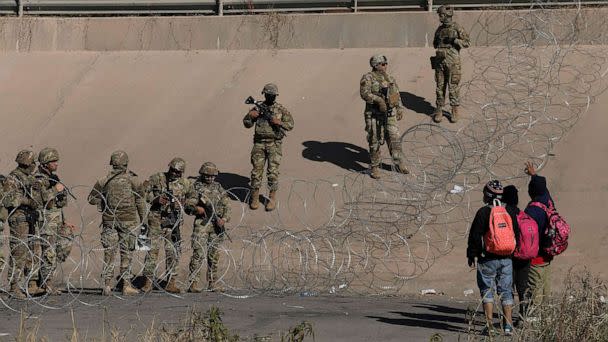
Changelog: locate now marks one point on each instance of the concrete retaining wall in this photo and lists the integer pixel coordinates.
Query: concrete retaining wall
(294, 31)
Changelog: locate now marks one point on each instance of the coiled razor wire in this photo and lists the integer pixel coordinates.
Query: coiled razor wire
(352, 234)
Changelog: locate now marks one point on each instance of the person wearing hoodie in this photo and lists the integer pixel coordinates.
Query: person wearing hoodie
(539, 284)
(521, 268)
(494, 272)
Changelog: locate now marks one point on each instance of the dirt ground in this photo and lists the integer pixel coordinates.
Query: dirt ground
(333, 318)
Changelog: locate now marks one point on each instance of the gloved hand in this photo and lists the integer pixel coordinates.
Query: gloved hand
(471, 262)
(399, 114)
(276, 121)
(163, 200)
(382, 107)
(59, 187)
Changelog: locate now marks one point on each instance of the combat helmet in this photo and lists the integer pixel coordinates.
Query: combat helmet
(47, 155)
(377, 60)
(208, 169)
(445, 9)
(270, 89)
(25, 157)
(178, 164)
(119, 159)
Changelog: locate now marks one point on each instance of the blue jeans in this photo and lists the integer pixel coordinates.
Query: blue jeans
(495, 276)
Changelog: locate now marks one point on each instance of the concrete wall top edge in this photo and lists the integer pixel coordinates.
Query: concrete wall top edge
(292, 31)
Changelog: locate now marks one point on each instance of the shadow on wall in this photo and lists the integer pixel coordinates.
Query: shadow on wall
(345, 155)
(236, 185)
(416, 103)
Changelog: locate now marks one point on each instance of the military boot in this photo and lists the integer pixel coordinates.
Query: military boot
(272, 201)
(106, 291)
(400, 167)
(454, 116)
(255, 199)
(214, 287)
(147, 286)
(375, 172)
(33, 289)
(438, 114)
(16, 292)
(127, 289)
(171, 287)
(195, 287)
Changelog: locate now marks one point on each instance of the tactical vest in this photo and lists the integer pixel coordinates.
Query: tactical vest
(119, 193)
(264, 130)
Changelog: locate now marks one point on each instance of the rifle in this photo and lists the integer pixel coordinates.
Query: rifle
(209, 209)
(53, 180)
(266, 114)
(171, 217)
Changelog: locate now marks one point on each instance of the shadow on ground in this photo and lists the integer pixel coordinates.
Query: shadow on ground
(345, 155)
(236, 185)
(441, 318)
(416, 103)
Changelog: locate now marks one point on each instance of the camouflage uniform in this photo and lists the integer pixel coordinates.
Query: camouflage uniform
(24, 246)
(56, 236)
(449, 39)
(206, 233)
(267, 143)
(3, 218)
(383, 107)
(120, 198)
(165, 221)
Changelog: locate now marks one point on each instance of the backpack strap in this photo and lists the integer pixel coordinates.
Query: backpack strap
(548, 210)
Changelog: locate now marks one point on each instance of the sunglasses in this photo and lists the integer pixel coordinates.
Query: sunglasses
(384, 64)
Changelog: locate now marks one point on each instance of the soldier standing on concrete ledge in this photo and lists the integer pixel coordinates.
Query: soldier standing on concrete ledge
(449, 39)
(383, 108)
(271, 121)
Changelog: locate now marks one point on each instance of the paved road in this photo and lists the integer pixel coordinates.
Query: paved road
(333, 318)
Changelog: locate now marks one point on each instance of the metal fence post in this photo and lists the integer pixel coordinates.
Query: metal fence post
(220, 7)
(429, 5)
(355, 5)
(20, 8)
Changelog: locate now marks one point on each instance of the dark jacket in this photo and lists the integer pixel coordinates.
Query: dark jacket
(479, 227)
(537, 189)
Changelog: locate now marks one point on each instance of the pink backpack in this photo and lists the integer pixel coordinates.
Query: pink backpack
(557, 231)
(500, 238)
(528, 239)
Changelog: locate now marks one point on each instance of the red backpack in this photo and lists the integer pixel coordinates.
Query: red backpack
(557, 231)
(500, 238)
(527, 239)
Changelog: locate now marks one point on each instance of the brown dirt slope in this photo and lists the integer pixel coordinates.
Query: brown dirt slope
(156, 105)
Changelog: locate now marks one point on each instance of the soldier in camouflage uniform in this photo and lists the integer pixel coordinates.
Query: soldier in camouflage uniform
(209, 203)
(3, 218)
(449, 39)
(22, 222)
(166, 192)
(56, 235)
(120, 196)
(267, 141)
(383, 108)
